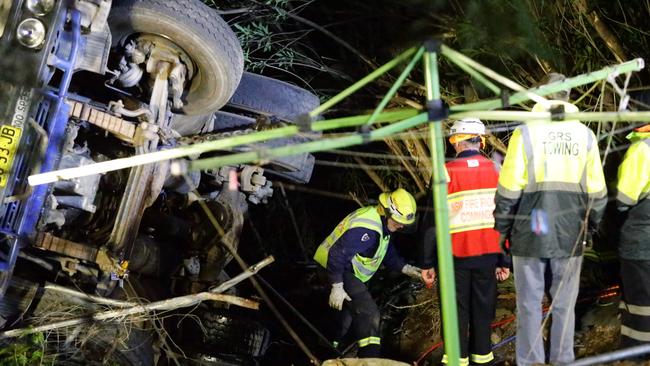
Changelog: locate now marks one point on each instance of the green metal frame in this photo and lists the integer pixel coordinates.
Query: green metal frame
(399, 120)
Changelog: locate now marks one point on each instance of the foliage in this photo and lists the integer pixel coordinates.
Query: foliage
(27, 350)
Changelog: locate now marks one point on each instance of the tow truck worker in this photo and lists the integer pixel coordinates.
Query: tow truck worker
(353, 252)
(478, 260)
(551, 194)
(633, 198)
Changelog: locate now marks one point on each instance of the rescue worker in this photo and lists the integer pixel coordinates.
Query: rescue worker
(633, 198)
(551, 195)
(352, 254)
(478, 260)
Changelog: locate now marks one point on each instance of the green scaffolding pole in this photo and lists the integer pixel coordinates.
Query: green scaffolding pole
(313, 146)
(441, 210)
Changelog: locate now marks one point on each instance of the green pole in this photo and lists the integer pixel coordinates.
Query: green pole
(439, 186)
(390, 116)
(522, 96)
(624, 116)
(361, 83)
(313, 146)
(200, 148)
(396, 85)
(476, 75)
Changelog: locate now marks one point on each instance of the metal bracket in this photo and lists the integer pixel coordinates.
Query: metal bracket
(505, 98)
(557, 112)
(437, 110)
(432, 45)
(304, 122)
(364, 131)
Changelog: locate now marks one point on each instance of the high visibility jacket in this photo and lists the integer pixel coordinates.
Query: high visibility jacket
(472, 185)
(551, 177)
(634, 196)
(365, 217)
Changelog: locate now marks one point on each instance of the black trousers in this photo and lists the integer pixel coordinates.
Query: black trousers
(635, 303)
(476, 301)
(361, 316)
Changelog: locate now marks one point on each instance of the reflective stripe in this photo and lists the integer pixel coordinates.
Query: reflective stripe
(635, 309)
(620, 196)
(554, 186)
(368, 341)
(635, 334)
(506, 193)
(359, 267)
(461, 362)
(481, 358)
(528, 149)
(477, 226)
(367, 222)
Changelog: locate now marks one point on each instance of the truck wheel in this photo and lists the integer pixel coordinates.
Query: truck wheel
(200, 32)
(259, 94)
(256, 94)
(227, 334)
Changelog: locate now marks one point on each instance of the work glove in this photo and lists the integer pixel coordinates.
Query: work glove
(429, 277)
(412, 271)
(338, 295)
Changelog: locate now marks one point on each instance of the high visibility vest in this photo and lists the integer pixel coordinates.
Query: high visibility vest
(550, 177)
(471, 189)
(633, 192)
(365, 217)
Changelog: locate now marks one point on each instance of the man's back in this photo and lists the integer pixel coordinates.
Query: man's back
(551, 175)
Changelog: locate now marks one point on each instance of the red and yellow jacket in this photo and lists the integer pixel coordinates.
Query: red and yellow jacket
(472, 185)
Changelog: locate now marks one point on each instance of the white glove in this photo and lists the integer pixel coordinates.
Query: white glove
(338, 295)
(412, 271)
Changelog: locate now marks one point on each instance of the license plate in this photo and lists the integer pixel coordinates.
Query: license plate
(9, 140)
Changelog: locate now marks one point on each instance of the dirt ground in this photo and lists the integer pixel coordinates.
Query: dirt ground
(597, 328)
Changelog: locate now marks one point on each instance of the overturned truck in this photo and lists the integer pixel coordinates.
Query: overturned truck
(87, 81)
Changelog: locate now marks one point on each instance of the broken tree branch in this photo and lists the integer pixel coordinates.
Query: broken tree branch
(244, 275)
(169, 304)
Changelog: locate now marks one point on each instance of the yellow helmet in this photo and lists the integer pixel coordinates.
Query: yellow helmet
(400, 206)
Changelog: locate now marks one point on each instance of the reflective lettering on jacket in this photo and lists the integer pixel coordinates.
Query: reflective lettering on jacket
(471, 210)
(633, 196)
(365, 217)
(552, 170)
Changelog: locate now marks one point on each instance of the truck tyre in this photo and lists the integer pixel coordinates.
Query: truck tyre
(227, 334)
(200, 32)
(260, 94)
(256, 94)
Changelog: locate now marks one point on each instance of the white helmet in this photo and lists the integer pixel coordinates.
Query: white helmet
(470, 126)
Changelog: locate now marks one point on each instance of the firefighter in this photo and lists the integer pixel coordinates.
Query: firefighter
(551, 195)
(353, 252)
(633, 198)
(478, 260)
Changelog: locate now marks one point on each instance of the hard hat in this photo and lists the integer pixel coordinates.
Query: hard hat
(469, 126)
(400, 205)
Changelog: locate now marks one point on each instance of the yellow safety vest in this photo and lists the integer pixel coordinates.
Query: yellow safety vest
(365, 217)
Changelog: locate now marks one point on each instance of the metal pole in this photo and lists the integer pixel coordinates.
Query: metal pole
(320, 145)
(439, 186)
(522, 96)
(625, 116)
(197, 149)
(361, 83)
(398, 83)
(613, 356)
